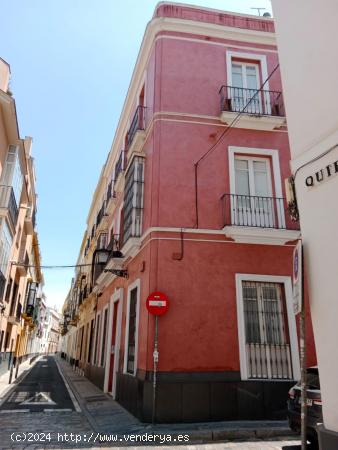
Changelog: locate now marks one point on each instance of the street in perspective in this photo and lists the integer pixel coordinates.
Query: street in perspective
(167, 247)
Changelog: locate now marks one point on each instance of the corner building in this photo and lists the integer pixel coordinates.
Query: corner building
(228, 346)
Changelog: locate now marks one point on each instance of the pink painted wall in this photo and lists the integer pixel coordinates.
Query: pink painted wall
(199, 333)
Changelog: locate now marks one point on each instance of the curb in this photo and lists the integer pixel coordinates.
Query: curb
(201, 435)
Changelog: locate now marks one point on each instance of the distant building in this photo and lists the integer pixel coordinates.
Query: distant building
(214, 236)
(51, 331)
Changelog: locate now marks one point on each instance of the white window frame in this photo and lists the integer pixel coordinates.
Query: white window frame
(101, 334)
(136, 284)
(231, 55)
(116, 297)
(286, 281)
(259, 152)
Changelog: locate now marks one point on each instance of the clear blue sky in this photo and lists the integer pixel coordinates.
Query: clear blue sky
(71, 63)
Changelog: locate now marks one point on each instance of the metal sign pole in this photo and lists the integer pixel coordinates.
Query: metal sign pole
(155, 356)
(303, 363)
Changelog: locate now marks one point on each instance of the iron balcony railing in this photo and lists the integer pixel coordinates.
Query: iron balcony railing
(100, 214)
(138, 123)
(109, 191)
(120, 165)
(256, 211)
(7, 200)
(256, 102)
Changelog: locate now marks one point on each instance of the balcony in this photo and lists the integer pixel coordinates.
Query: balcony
(15, 314)
(7, 200)
(264, 112)
(136, 133)
(30, 220)
(111, 198)
(256, 219)
(119, 169)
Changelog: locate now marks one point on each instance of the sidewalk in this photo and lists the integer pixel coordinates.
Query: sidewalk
(107, 416)
(24, 368)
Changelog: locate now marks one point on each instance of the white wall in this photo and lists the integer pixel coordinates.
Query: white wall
(308, 48)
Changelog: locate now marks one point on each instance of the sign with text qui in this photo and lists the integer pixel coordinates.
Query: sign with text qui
(157, 303)
(297, 278)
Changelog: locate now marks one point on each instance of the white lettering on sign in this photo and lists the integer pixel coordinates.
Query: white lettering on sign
(157, 303)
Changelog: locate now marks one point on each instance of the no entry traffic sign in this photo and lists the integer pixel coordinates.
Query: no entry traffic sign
(157, 303)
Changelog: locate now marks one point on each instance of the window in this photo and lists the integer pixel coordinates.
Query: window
(266, 332)
(5, 246)
(253, 204)
(254, 200)
(12, 175)
(104, 337)
(131, 335)
(268, 341)
(245, 83)
(246, 72)
(133, 199)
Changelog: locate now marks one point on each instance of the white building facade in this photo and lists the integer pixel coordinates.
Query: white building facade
(307, 40)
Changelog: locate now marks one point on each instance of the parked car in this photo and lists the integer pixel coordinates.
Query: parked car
(314, 405)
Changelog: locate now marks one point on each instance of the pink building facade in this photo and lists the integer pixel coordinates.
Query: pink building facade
(192, 196)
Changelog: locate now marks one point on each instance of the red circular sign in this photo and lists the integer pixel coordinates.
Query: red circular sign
(157, 303)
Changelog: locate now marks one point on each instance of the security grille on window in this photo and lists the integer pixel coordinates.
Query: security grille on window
(266, 331)
(132, 332)
(133, 199)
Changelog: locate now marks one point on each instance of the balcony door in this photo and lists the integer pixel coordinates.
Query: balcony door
(252, 203)
(245, 83)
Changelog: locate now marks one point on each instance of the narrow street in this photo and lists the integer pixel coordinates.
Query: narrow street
(42, 390)
(54, 407)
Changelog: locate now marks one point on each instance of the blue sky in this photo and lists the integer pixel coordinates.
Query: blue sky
(71, 63)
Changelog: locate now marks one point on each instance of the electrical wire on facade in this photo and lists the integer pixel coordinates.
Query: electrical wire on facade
(226, 131)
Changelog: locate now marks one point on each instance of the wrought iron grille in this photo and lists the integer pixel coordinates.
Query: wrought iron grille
(133, 199)
(267, 340)
(263, 102)
(120, 165)
(138, 123)
(253, 211)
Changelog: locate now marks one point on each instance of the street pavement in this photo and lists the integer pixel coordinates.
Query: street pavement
(54, 406)
(42, 389)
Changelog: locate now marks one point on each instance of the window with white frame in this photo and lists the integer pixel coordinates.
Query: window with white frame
(246, 73)
(266, 336)
(253, 204)
(245, 84)
(256, 198)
